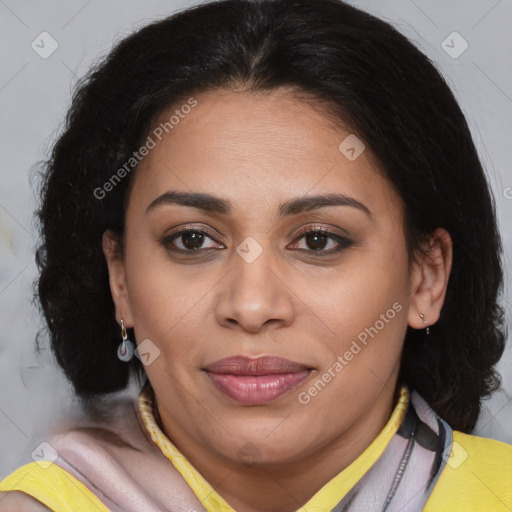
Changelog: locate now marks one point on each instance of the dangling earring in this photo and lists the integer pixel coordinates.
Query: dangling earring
(125, 348)
(422, 316)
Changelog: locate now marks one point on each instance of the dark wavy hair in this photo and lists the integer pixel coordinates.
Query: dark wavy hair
(370, 77)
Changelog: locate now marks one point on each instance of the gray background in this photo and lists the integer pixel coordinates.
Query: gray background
(34, 96)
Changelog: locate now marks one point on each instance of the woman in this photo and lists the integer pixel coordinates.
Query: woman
(281, 206)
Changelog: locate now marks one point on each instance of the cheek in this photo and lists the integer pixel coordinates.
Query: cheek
(157, 297)
(170, 306)
(364, 308)
(363, 290)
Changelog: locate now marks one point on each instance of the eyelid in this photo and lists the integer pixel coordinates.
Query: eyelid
(167, 241)
(341, 239)
(334, 231)
(183, 228)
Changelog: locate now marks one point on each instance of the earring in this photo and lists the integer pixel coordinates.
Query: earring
(125, 348)
(422, 316)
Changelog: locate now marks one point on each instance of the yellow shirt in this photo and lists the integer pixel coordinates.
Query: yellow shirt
(477, 478)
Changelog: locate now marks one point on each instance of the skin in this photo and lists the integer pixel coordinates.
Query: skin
(257, 152)
(15, 501)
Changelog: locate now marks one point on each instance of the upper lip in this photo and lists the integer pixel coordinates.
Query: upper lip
(264, 365)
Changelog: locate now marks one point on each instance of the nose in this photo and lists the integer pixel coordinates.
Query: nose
(255, 295)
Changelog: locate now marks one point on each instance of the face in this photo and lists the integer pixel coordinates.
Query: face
(308, 297)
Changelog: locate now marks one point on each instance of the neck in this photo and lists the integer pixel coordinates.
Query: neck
(282, 487)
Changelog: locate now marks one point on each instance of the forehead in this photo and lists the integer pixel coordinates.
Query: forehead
(257, 146)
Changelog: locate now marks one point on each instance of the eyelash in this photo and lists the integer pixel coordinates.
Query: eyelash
(343, 242)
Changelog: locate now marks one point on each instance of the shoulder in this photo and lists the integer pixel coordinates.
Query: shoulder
(15, 501)
(68, 460)
(477, 476)
(38, 487)
(111, 461)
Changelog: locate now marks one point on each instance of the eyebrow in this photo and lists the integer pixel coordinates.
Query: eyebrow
(213, 204)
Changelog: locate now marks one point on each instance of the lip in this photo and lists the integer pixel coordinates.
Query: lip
(256, 381)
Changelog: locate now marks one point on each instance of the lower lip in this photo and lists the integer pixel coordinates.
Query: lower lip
(256, 390)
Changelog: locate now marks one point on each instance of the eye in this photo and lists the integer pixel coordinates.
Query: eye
(315, 239)
(189, 240)
(322, 241)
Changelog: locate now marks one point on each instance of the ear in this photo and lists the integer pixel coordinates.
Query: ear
(429, 279)
(117, 278)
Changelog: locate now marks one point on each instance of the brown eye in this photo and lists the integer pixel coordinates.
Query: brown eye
(192, 239)
(189, 241)
(322, 242)
(316, 240)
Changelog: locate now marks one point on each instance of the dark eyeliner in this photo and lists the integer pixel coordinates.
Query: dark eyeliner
(167, 241)
(343, 241)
